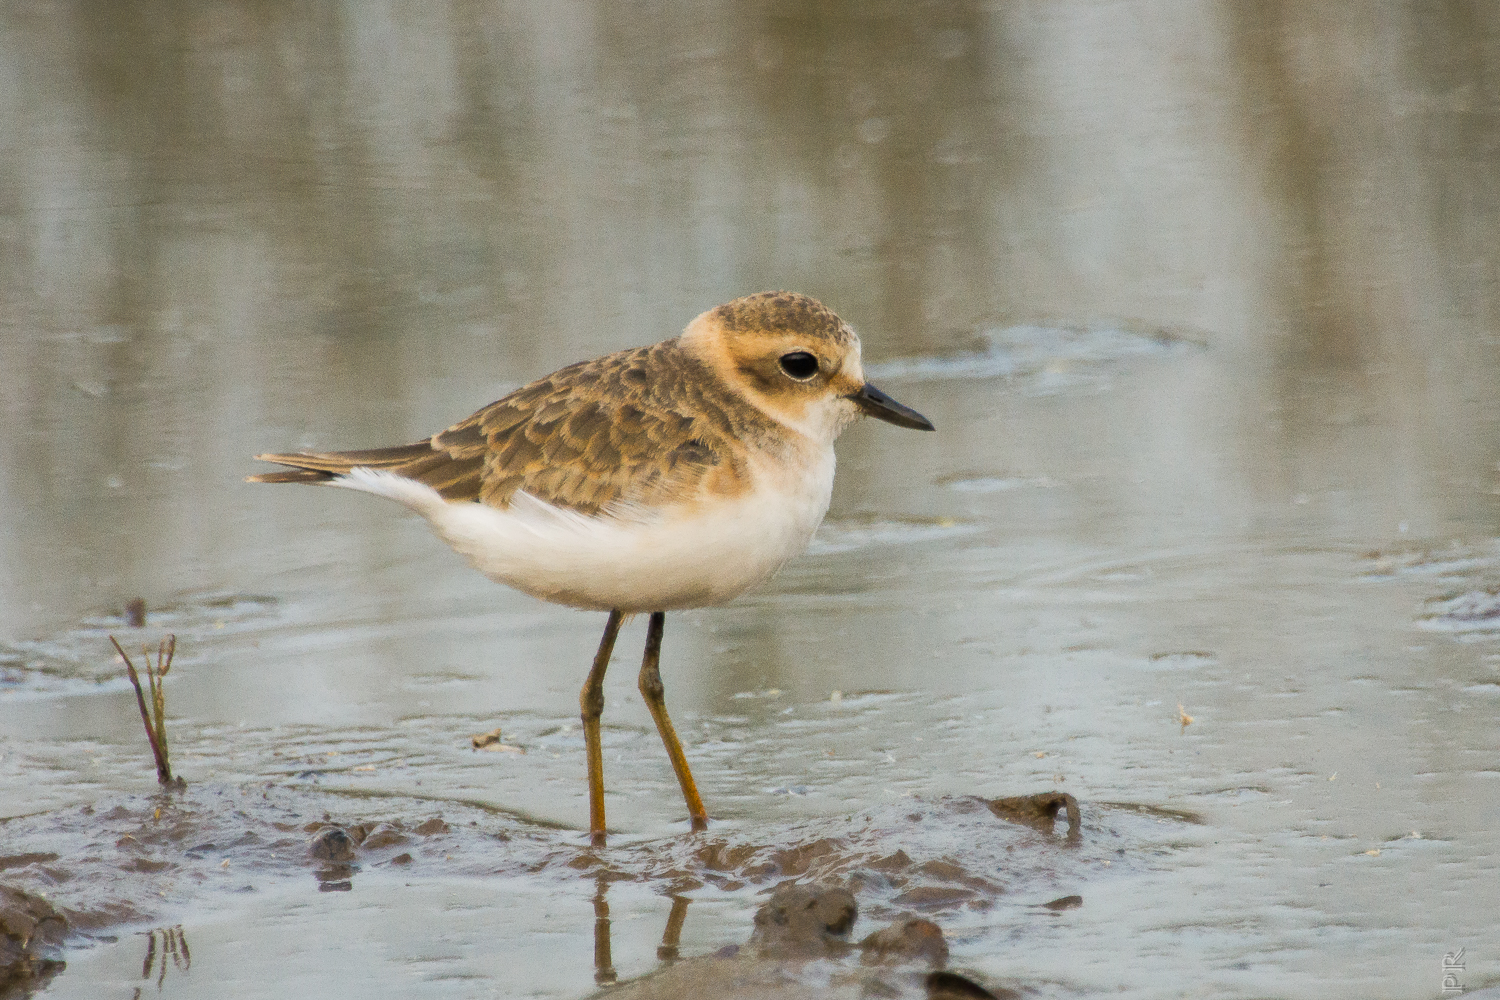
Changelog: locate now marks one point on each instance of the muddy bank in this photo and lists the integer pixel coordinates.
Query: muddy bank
(32, 931)
(915, 872)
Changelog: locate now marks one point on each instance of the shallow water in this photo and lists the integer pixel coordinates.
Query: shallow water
(1204, 308)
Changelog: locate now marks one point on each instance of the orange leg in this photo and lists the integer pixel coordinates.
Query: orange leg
(655, 695)
(591, 701)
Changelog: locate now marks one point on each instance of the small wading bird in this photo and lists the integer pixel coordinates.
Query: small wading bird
(673, 476)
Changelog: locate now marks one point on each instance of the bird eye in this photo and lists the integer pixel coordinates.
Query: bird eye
(799, 365)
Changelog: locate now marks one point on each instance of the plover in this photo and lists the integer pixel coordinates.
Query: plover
(673, 476)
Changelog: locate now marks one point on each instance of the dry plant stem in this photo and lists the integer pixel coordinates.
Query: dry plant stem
(164, 653)
(156, 728)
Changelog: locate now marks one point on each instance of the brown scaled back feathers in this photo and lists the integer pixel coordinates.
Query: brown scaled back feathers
(650, 426)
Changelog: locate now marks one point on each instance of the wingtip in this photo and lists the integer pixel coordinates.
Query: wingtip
(292, 476)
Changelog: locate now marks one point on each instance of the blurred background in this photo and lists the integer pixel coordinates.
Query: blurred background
(243, 226)
(1203, 298)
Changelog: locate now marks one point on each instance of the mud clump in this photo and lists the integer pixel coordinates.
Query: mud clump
(1040, 811)
(1064, 903)
(31, 936)
(799, 920)
(387, 835)
(944, 985)
(332, 844)
(911, 939)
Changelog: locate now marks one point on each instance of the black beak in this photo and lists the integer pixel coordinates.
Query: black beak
(877, 404)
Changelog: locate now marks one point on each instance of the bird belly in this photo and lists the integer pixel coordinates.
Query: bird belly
(644, 561)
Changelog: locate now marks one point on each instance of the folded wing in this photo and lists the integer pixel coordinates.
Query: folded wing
(628, 429)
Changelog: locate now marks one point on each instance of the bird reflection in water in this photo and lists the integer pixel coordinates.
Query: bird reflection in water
(604, 968)
(666, 952)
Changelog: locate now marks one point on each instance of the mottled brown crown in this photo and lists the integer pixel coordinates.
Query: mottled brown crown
(786, 312)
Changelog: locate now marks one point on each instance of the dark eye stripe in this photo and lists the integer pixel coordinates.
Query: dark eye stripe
(799, 365)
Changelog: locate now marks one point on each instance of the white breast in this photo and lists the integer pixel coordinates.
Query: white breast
(635, 561)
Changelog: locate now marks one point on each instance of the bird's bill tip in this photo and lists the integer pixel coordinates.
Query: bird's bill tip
(877, 404)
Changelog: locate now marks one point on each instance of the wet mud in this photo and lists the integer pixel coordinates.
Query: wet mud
(905, 876)
(32, 932)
